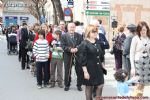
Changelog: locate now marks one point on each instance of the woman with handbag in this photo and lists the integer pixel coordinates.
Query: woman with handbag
(117, 47)
(92, 60)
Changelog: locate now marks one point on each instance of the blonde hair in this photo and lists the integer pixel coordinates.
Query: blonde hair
(88, 30)
(44, 24)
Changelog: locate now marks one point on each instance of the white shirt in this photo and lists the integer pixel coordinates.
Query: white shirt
(137, 47)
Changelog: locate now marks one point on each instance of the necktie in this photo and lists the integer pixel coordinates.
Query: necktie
(72, 38)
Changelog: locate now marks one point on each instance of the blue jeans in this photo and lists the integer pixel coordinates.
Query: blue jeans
(42, 67)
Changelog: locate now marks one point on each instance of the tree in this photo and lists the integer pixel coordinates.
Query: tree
(58, 11)
(38, 11)
(37, 8)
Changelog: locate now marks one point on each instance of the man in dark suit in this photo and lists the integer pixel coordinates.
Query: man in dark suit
(23, 44)
(70, 42)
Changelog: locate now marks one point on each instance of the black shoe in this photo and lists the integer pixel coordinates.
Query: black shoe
(79, 88)
(19, 59)
(66, 89)
(28, 67)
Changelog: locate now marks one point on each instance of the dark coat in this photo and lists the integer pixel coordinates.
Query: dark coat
(126, 45)
(103, 42)
(24, 37)
(92, 56)
(67, 43)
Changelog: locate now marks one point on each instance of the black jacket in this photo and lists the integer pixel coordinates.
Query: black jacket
(67, 43)
(24, 37)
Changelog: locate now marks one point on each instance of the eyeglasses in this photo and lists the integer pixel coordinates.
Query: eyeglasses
(93, 31)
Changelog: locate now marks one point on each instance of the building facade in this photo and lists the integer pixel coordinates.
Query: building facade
(132, 11)
(1, 12)
(16, 12)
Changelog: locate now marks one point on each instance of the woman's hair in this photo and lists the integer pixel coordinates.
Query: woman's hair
(89, 29)
(45, 25)
(42, 32)
(140, 26)
(35, 25)
(121, 75)
(121, 29)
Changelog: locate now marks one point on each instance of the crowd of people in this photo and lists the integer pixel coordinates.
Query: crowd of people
(132, 58)
(55, 47)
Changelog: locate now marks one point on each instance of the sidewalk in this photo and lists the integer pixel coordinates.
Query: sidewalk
(2, 37)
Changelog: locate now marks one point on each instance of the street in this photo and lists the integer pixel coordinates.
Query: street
(17, 84)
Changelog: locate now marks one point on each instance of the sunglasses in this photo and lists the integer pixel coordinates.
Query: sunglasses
(93, 31)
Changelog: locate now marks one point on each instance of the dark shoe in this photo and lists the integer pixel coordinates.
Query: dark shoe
(66, 89)
(28, 67)
(79, 88)
(19, 59)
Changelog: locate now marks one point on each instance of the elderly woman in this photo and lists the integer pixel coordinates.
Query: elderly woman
(92, 60)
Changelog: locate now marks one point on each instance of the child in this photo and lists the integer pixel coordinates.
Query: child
(122, 82)
(41, 53)
(57, 60)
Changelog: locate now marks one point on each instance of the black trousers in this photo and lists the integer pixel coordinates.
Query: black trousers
(19, 55)
(48, 63)
(12, 47)
(42, 67)
(68, 62)
(25, 58)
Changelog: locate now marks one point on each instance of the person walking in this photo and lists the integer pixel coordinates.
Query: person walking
(41, 53)
(70, 43)
(101, 39)
(92, 60)
(140, 57)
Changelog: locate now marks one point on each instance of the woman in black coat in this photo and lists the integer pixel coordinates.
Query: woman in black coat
(92, 60)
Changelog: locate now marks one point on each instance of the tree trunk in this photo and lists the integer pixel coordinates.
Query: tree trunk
(43, 11)
(38, 12)
(59, 10)
(54, 11)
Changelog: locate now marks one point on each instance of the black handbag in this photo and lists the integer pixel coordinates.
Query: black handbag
(104, 71)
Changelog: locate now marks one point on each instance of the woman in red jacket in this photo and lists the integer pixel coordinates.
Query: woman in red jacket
(49, 38)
